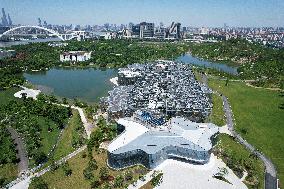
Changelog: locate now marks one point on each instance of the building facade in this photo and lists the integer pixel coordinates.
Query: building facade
(144, 144)
(75, 56)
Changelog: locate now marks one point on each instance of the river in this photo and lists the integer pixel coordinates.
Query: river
(11, 43)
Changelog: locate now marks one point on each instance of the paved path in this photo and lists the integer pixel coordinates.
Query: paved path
(88, 126)
(22, 153)
(24, 181)
(270, 171)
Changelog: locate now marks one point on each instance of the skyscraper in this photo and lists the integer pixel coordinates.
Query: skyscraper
(4, 18)
(9, 20)
(39, 22)
(146, 29)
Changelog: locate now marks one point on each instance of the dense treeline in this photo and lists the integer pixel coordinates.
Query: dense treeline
(10, 76)
(106, 53)
(24, 117)
(7, 147)
(263, 64)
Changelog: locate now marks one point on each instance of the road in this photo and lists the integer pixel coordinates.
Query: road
(270, 171)
(20, 147)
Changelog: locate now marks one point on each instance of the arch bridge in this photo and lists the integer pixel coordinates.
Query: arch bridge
(75, 34)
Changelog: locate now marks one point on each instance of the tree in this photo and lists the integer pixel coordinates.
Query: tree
(227, 82)
(66, 169)
(88, 174)
(53, 165)
(157, 178)
(104, 173)
(64, 100)
(118, 181)
(93, 164)
(95, 182)
(38, 183)
(40, 157)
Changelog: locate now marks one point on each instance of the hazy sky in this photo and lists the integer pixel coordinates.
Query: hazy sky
(188, 12)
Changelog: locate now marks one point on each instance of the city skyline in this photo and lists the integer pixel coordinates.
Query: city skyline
(242, 13)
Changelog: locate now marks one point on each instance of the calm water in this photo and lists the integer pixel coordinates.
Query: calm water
(11, 43)
(187, 58)
(85, 84)
(91, 84)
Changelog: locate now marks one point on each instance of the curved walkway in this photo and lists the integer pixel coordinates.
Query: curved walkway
(270, 171)
(22, 153)
(88, 126)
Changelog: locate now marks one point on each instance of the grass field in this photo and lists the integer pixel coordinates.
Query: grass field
(8, 172)
(217, 116)
(241, 155)
(57, 179)
(258, 118)
(65, 143)
(7, 95)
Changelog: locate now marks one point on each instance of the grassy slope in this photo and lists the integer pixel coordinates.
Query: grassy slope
(256, 110)
(57, 179)
(9, 172)
(7, 95)
(227, 143)
(65, 144)
(217, 115)
(48, 138)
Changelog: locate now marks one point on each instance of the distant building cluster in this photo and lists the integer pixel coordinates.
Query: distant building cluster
(268, 36)
(5, 19)
(7, 53)
(164, 88)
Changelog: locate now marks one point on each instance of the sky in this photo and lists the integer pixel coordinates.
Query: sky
(207, 13)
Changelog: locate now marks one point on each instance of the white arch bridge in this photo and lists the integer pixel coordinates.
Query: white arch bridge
(79, 35)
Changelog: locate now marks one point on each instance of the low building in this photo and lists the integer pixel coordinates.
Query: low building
(75, 56)
(150, 145)
(7, 53)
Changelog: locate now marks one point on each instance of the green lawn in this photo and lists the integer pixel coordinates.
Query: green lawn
(258, 118)
(57, 179)
(7, 95)
(65, 143)
(9, 172)
(217, 116)
(48, 138)
(239, 156)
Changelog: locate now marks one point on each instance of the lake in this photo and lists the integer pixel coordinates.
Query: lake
(90, 84)
(85, 84)
(187, 58)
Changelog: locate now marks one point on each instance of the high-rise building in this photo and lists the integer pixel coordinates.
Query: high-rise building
(10, 23)
(4, 18)
(135, 30)
(39, 22)
(160, 32)
(146, 30)
(174, 31)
